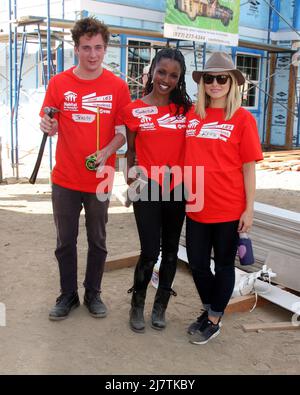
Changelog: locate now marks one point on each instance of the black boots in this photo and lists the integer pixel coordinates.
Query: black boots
(161, 301)
(142, 277)
(167, 272)
(136, 314)
(67, 302)
(94, 304)
(64, 304)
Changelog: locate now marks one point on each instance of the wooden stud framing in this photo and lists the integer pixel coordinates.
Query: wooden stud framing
(291, 104)
(270, 102)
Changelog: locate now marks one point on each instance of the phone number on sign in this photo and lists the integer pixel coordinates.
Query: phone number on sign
(189, 36)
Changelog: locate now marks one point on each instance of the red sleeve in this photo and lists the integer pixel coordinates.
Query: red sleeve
(123, 101)
(128, 119)
(190, 113)
(250, 147)
(49, 99)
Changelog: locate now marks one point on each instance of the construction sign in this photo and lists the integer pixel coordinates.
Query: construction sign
(212, 21)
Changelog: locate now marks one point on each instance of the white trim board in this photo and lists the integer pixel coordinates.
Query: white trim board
(182, 253)
(118, 10)
(247, 32)
(285, 36)
(280, 297)
(275, 211)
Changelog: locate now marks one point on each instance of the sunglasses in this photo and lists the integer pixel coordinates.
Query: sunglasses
(221, 79)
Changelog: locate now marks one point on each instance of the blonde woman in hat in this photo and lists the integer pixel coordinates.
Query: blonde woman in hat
(222, 138)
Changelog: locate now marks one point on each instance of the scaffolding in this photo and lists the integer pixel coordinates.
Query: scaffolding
(16, 62)
(46, 31)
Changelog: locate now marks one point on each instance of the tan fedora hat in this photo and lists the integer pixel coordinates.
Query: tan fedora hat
(217, 63)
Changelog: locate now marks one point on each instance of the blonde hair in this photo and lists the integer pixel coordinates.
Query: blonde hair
(233, 101)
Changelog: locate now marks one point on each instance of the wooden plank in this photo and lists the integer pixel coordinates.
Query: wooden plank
(121, 261)
(242, 304)
(270, 102)
(268, 154)
(272, 326)
(291, 104)
(280, 158)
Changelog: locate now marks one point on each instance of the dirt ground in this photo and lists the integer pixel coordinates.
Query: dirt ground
(31, 344)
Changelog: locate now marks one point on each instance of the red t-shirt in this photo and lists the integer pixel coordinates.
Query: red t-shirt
(77, 100)
(160, 137)
(221, 147)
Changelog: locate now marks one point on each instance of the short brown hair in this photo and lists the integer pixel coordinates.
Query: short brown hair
(90, 26)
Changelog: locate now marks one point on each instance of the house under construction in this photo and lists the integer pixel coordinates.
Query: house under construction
(35, 44)
(206, 8)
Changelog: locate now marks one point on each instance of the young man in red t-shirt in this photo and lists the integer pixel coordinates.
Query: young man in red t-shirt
(89, 99)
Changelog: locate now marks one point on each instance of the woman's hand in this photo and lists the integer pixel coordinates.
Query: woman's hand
(246, 221)
(131, 172)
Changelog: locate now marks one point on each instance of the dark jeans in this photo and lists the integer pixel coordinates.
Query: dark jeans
(216, 289)
(159, 224)
(67, 205)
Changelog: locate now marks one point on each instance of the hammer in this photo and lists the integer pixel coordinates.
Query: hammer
(50, 111)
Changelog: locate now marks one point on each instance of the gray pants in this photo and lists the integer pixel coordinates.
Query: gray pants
(67, 205)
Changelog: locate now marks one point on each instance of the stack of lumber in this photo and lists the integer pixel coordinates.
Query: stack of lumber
(281, 161)
(277, 231)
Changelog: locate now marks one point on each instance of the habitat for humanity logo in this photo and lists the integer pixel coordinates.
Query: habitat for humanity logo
(70, 101)
(92, 101)
(146, 123)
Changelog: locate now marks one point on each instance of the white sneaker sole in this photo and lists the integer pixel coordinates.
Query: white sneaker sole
(205, 341)
(193, 332)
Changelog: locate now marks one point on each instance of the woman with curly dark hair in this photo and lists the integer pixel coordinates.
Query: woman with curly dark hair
(156, 137)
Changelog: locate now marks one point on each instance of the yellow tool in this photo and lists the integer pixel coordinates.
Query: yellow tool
(90, 162)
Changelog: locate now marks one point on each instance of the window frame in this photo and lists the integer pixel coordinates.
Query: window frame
(256, 82)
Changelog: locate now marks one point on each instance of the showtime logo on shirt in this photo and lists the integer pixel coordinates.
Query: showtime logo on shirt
(210, 130)
(172, 122)
(215, 131)
(92, 101)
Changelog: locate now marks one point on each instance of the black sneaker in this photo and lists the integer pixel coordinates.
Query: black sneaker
(197, 325)
(96, 307)
(64, 304)
(208, 332)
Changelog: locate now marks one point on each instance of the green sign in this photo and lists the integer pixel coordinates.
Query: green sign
(214, 21)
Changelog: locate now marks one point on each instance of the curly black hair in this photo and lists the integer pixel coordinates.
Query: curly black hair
(179, 95)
